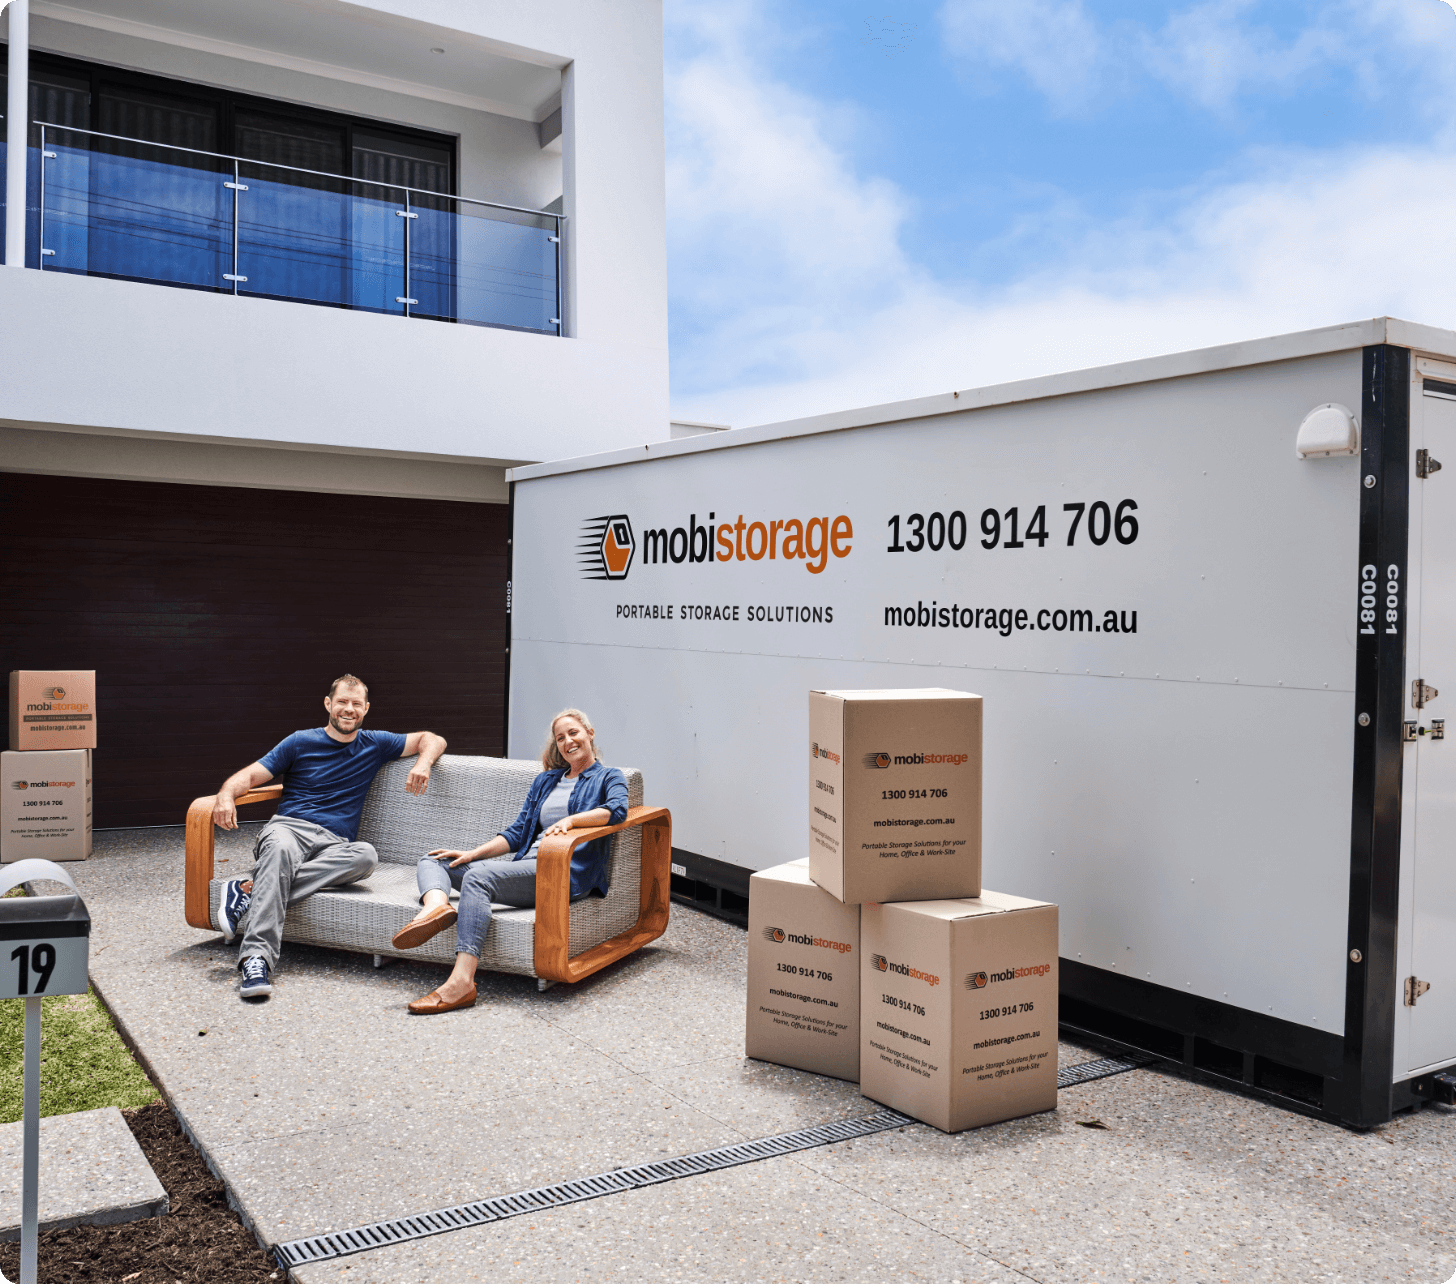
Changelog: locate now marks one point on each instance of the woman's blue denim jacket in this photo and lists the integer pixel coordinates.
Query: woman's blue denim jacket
(597, 786)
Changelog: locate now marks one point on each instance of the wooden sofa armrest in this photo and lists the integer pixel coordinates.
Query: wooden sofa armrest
(553, 896)
(199, 850)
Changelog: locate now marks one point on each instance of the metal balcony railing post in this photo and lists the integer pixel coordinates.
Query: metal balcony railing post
(559, 319)
(409, 216)
(238, 187)
(41, 255)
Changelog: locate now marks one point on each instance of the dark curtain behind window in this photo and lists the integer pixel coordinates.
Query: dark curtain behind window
(159, 118)
(282, 140)
(382, 159)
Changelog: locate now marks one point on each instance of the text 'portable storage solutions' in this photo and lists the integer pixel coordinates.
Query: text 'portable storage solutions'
(1208, 599)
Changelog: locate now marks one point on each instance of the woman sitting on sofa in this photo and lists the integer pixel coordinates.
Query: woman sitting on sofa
(575, 791)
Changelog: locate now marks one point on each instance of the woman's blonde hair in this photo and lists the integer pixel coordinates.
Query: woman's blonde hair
(551, 759)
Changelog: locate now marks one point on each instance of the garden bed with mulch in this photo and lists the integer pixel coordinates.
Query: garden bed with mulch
(200, 1241)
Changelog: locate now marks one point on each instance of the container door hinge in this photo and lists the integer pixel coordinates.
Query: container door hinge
(1414, 988)
(1425, 465)
(1421, 694)
(1409, 731)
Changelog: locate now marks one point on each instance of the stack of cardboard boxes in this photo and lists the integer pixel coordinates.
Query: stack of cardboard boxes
(879, 958)
(45, 775)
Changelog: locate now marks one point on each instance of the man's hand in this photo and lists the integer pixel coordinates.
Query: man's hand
(455, 858)
(429, 747)
(562, 826)
(225, 805)
(225, 811)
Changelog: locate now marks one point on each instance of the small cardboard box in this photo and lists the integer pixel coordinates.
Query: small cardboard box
(45, 804)
(895, 794)
(803, 974)
(959, 1002)
(52, 709)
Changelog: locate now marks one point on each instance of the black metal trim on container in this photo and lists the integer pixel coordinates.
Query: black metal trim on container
(1363, 1095)
(510, 615)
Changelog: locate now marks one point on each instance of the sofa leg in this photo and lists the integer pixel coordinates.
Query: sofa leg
(542, 984)
(380, 960)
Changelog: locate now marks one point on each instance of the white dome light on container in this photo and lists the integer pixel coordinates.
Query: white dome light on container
(1328, 430)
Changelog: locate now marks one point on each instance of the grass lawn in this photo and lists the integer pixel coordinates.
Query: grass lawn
(83, 1062)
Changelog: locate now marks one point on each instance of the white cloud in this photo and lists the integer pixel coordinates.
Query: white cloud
(1054, 43)
(793, 294)
(1327, 241)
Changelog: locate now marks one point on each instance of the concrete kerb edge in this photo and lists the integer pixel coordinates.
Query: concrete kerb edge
(234, 1202)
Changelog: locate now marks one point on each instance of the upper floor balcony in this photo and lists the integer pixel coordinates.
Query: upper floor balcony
(116, 206)
(145, 177)
(490, 165)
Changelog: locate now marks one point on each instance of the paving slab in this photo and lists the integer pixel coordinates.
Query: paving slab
(770, 1222)
(92, 1172)
(329, 1106)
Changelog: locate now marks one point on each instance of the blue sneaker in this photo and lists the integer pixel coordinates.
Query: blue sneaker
(235, 904)
(255, 979)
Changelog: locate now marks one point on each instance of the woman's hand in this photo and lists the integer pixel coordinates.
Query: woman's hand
(562, 826)
(455, 858)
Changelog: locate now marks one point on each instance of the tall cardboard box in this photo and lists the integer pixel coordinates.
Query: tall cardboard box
(45, 804)
(52, 709)
(895, 794)
(959, 1001)
(803, 974)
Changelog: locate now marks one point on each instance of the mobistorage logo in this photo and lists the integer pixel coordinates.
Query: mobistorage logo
(778, 936)
(979, 980)
(882, 964)
(883, 760)
(607, 547)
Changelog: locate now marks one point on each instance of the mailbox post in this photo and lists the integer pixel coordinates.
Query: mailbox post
(43, 950)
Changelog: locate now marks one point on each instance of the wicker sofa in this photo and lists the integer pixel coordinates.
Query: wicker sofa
(469, 800)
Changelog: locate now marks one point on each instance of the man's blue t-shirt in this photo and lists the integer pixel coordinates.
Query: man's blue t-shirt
(325, 781)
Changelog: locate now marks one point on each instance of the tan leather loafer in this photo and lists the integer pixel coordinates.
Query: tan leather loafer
(432, 1003)
(413, 935)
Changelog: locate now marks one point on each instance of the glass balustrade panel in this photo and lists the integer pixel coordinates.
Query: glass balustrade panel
(483, 266)
(128, 209)
(317, 239)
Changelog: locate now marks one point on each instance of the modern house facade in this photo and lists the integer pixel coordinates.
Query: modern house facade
(300, 280)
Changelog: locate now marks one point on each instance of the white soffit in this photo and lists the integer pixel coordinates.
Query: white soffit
(339, 42)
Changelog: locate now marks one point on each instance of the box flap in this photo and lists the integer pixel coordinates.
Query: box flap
(948, 911)
(905, 693)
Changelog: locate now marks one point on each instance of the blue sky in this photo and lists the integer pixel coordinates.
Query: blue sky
(871, 205)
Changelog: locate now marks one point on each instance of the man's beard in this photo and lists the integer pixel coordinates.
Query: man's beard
(343, 731)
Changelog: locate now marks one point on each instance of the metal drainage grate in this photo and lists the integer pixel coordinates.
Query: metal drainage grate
(1069, 1076)
(318, 1248)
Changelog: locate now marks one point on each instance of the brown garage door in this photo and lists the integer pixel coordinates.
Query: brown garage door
(216, 617)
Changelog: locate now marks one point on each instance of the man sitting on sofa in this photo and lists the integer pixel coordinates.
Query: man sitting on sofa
(310, 843)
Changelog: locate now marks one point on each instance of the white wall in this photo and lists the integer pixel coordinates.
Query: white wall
(90, 352)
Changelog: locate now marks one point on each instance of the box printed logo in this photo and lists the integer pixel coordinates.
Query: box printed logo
(606, 548)
(19, 784)
(877, 760)
(903, 969)
(979, 980)
(55, 693)
(817, 751)
(778, 936)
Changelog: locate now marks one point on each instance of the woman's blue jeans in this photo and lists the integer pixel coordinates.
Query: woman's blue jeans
(504, 880)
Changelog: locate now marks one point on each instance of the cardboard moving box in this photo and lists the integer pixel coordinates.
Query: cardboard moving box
(895, 794)
(959, 1002)
(52, 709)
(803, 974)
(45, 804)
